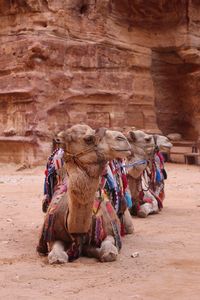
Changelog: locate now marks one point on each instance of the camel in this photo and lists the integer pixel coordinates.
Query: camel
(138, 160)
(67, 228)
(157, 171)
(138, 176)
(115, 187)
(142, 146)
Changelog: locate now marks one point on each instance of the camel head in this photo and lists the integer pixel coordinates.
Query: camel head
(91, 146)
(142, 146)
(113, 144)
(139, 140)
(162, 142)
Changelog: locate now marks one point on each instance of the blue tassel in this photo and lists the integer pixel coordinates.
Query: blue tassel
(158, 176)
(128, 199)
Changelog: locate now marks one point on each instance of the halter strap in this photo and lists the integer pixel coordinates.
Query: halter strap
(138, 162)
(155, 142)
(99, 133)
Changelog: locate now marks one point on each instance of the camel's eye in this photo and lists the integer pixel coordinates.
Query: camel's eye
(89, 139)
(120, 138)
(148, 139)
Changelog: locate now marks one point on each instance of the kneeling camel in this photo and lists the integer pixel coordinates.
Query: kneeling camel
(68, 223)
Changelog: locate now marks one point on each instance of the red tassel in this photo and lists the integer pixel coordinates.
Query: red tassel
(122, 230)
(125, 181)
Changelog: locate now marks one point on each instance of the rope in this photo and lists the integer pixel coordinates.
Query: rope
(72, 156)
(139, 162)
(75, 157)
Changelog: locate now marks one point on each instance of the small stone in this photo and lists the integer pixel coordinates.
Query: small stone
(9, 220)
(135, 254)
(22, 167)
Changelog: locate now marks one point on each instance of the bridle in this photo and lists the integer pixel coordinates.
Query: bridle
(75, 158)
(155, 142)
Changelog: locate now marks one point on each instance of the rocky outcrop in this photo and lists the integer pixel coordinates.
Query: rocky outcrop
(103, 62)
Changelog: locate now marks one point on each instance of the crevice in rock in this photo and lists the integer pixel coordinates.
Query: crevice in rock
(45, 4)
(83, 9)
(187, 13)
(174, 110)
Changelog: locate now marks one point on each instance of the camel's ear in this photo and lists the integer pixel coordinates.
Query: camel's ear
(131, 136)
(90, 139)
(100, 133)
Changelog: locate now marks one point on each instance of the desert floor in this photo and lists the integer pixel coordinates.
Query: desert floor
(168, 265)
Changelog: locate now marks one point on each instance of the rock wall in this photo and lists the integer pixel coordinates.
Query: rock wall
(108, 63)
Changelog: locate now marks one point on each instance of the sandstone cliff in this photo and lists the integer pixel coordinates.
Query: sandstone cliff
(104, 62)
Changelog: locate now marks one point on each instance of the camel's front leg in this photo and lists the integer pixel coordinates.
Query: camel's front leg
(57, 255)
(108, 251)
(128, 222)
(148, 208)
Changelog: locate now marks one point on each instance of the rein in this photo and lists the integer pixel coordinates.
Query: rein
(155, 142)
(75, 158)
(139, 162)
(139, 185)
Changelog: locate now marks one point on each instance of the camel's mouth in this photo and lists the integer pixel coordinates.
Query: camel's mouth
(166, 147)
(121, 150)
(148, 150)
(126, 152)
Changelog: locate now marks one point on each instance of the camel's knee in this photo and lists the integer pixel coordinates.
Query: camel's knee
(57, 255)
(108, 251)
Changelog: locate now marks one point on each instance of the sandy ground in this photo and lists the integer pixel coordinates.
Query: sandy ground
(168, 266)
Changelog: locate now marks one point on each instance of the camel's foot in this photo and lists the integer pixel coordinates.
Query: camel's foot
(108, 251)
(128, 222)
(147, 209)
(155, 209)
(57, 255)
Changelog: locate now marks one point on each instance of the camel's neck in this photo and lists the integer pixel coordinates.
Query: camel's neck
(81, 195)
(134, 177)
(133, 186)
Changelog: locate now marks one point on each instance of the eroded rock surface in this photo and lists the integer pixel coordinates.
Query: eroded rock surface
(105, 62)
